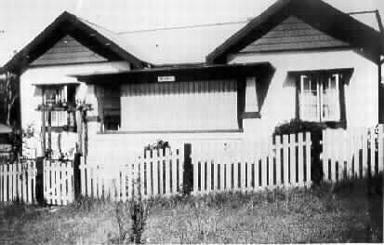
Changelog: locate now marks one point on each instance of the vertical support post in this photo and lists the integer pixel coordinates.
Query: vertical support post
(39, 184)
(372, 146)
(43, 127)
(380, 150)
(381, 92)
(49, 147)
(292, 160)
(188, 170)
(167, 161)
(300, 159)
(180, 160)
(278, 159)
(365, 154)
(308, 161)
(285, 160)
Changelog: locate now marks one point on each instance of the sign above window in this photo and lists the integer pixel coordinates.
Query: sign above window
(162, 79)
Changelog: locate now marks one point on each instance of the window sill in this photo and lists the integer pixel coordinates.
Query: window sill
(330, 124)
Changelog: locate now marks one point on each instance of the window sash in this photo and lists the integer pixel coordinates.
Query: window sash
(319, 97)
(330, 97)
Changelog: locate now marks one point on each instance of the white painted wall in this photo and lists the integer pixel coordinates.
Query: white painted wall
(115, 149)
(279, 105)
(280, 102)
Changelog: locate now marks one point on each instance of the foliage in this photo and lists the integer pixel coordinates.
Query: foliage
(329, 213)
(8, 95)
(158, 145)
(296, 126)
(315, 128)
(134, 214)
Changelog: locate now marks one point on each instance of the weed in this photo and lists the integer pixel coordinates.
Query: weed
(321, 214)
(122, 214)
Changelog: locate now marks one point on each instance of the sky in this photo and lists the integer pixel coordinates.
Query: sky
(22, 20)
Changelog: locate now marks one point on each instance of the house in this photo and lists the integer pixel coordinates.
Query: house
(224, 83)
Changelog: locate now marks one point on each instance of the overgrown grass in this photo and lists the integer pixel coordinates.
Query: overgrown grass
(347, 212)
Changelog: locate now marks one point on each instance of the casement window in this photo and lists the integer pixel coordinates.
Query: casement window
(319, 96)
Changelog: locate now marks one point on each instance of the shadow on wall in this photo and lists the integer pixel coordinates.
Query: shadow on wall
(263, 86)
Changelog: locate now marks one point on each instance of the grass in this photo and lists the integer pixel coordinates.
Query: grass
(347, 212)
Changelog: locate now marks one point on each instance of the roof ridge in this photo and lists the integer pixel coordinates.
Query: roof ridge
(185, 27)
(94, 24)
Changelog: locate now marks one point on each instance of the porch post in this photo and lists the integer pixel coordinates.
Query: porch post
(381, 91)
(93, 120)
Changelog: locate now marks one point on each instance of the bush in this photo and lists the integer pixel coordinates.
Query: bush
(315, 128)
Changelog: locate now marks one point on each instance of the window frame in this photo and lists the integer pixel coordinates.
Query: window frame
(320, 80)
(63, 107)
(107, 120)
(346, 74)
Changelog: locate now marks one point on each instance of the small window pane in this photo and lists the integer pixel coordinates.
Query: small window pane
(330, 99)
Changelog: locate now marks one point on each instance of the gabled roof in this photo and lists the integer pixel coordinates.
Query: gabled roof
(191, 44)
(314, 12)
(101, 40)
(178, 45)
(369, 17)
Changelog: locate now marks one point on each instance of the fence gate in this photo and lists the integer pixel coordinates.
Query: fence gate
(58, 182)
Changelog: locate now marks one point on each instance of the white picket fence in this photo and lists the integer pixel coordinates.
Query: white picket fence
(154, 173)
(284, 161)
(252, 167)
(17, 182)
(58, 182)
(352, 153)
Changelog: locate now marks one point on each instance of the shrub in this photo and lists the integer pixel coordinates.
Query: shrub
(315, 128)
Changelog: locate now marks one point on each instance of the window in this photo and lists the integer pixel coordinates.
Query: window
(111, 108)
(319, 96)
(59, 95)
(59, 107)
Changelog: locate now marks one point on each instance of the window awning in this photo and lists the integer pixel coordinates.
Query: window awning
(178, 73)
(55, 80)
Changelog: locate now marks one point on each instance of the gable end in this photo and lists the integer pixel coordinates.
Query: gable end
(68, 51)
(293, 34)
(98, 40)
(321, 16)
